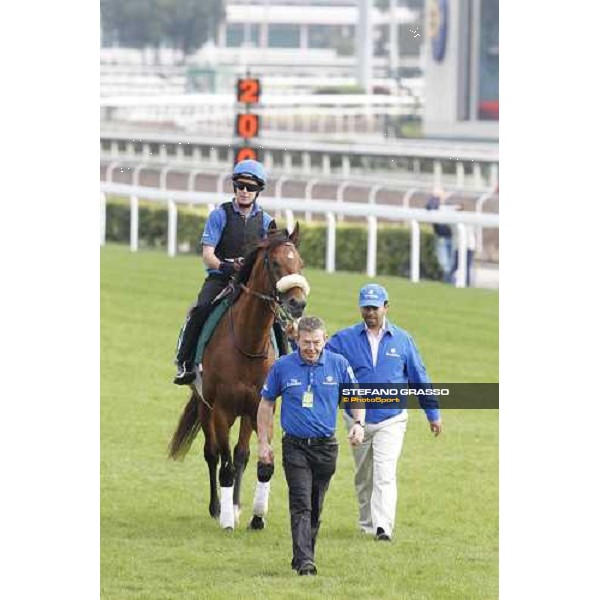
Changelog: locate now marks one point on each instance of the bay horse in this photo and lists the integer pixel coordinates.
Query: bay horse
(234, 367)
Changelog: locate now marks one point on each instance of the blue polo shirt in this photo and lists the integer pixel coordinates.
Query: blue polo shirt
(290, 377)
(217, 219)
(398, 361)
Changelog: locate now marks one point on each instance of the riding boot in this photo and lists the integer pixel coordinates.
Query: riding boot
(187, 343)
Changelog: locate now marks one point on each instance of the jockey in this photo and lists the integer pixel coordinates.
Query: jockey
(231, 231)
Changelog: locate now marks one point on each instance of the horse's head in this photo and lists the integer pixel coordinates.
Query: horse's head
(274, 270)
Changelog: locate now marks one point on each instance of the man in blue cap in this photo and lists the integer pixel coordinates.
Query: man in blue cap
(230, 233)
(381, 353)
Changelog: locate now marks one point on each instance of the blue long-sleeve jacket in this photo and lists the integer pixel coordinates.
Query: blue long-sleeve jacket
(398, 361)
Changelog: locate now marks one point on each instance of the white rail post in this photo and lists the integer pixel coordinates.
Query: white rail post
(373, 193)
(308, 196)
(163, 177)
(102, 219)
(415, 250)
(339, 195)
(461, 271)
(330, 251)
(192, 179)
(407, 196)
(372, 246)
(289, 218)
(479, 209)
(221, 181)
(109, 170)
(172, 228)
(278, 187)
(133, 225)
(136, 174)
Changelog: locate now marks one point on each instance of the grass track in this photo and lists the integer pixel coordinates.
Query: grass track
(157, 540)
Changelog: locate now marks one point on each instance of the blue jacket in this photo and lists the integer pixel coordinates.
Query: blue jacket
(290, 377)
(398, 361)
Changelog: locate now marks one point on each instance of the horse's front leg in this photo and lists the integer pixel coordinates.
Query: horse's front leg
(241, 454)
(264, 472)
(260, 506)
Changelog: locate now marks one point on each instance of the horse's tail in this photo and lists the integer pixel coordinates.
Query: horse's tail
(187, 429)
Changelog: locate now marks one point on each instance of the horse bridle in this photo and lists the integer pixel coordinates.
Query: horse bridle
(275, 303)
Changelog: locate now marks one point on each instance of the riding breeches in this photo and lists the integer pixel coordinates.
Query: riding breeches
(196, 317)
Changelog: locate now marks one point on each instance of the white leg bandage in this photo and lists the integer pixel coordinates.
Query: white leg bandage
(227, 518)
(261, 498)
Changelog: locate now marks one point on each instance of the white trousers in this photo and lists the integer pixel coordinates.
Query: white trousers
(375, 475)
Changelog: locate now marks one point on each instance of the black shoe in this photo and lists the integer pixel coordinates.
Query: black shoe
(186, 373)
(308, 568)
(382, 536)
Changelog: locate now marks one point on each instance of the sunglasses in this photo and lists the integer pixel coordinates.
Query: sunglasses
(250, 187)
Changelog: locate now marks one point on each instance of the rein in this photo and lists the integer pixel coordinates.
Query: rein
(280, 312)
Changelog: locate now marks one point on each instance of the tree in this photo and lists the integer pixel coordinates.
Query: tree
(186, 24)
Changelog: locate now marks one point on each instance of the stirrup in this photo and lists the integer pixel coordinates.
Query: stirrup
(197, 383)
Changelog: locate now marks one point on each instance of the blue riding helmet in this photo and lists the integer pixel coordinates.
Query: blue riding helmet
(250, 168)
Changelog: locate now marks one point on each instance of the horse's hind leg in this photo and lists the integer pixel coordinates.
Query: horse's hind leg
(241, 454)
(211, 456)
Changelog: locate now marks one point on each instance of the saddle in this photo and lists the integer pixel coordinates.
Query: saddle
(221, 304)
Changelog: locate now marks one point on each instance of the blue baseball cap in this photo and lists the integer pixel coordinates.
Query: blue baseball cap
(372, 295)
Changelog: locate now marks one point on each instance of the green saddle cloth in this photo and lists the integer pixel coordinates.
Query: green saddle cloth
(211, 324)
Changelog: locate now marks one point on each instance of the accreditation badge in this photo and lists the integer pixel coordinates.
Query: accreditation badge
(307, 399)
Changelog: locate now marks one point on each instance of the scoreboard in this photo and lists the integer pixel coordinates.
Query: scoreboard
(247, 124)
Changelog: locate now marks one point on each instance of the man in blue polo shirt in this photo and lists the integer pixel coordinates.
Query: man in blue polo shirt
(380, 353)
(307, 381)
(230, 233)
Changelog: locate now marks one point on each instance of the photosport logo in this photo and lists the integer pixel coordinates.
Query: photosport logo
(426, 395)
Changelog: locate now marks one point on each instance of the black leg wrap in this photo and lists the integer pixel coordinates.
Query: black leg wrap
(226, 474)
(264, 472)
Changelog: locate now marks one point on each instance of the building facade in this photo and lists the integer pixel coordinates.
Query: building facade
(461, 69)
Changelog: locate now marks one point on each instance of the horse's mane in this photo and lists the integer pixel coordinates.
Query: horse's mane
(275, 237)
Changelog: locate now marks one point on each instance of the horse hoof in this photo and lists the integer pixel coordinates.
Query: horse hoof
(214, 511)
(257, 523)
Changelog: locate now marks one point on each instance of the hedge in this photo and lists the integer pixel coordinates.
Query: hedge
(393, 241)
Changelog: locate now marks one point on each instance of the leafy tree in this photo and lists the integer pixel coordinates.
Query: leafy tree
(186, 24)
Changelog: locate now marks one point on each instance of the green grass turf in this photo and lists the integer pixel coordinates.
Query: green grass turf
(157, 539)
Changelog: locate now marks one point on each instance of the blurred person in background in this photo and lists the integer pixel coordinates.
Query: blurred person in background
(443, 234)
(471, 242)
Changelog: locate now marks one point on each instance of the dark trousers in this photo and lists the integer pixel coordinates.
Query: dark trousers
(308, 470)
(196, 317)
